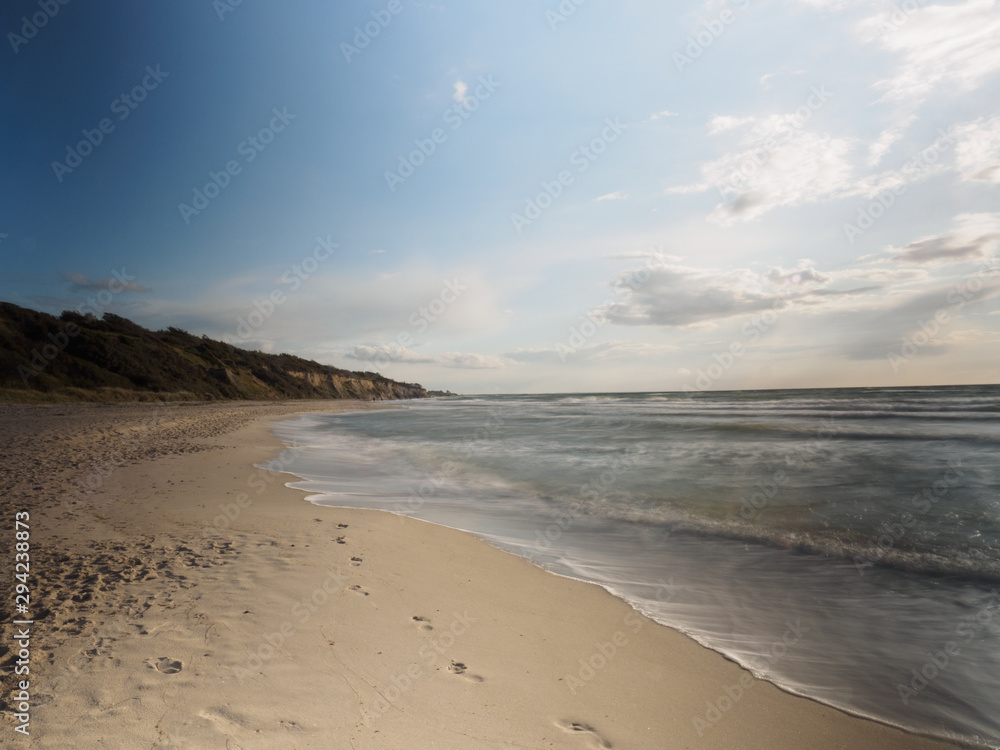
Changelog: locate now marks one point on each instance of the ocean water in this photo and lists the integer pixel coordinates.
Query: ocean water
(841, 543)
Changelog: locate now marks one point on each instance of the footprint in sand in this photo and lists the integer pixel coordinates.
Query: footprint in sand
(166, 665)
(341, 525)
(340, 540)
(357, 589)
(423, 623)
(459, 668)
(356, 561)
(579, 727)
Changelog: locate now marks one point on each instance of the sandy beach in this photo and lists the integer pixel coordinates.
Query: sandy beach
(182, 598)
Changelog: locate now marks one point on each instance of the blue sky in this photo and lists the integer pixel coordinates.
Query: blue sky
(510, 197)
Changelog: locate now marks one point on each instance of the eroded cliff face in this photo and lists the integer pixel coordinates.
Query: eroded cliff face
(378, 389)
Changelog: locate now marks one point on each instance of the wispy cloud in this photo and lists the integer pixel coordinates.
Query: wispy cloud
(387, 353)
(660, 115)
(80, 282)
(618, 195)
(887, 138)
(871, 333)
(605, 351)
(775, 164)
(974, 237)
(977, 155)
(384, 354)
(940, 47)
(474, 361)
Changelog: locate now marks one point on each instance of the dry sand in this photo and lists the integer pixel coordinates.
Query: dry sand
(189, 600)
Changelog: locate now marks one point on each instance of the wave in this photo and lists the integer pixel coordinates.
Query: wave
(981, 564)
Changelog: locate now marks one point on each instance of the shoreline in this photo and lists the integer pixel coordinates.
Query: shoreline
(788, 690)
(209, 611)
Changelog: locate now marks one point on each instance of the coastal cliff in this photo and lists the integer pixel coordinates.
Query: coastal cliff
(84, 358)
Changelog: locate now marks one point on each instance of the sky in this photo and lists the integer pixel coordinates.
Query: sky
(528, 196)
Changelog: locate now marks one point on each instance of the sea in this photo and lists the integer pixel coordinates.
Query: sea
(843, 544)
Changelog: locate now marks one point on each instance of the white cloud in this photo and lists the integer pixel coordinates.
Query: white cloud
(659, 115)
(461, 89)
(722, 123)
(604, 351)
(381, 355)
(941, 47)
(675, 295)
(618, 195)
(805, 274)
(886, 139)
(328, 310)
(613, 350)
(778, 164)
(831, 5)
(871, 185)
(474, 361)
(651, 255)
(881, 273)
(977, 155)
(384, 353)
